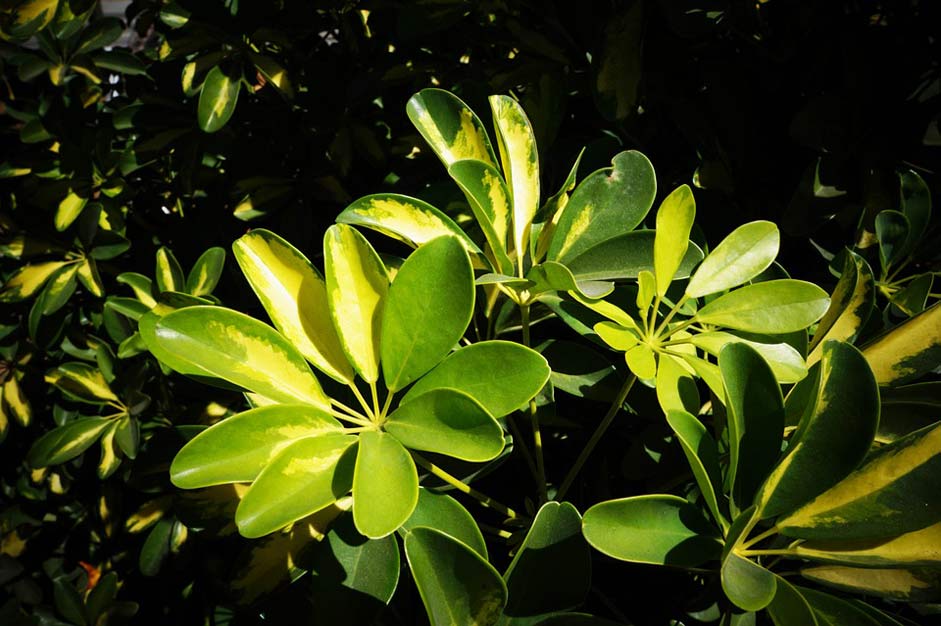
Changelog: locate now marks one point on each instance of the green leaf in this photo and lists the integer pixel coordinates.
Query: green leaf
(789, 608)
(850, 305)
(674, 222)
(83, 382)
(832, 438)
(609, 202)
(119, 61)
(520, 160)
(756, 420)
(748, 585)
(552, 276)
(642, 361)
(385, 485)
(59, 289)
(489, 200)
(676, 387)
(452, 130)
(657, 529)
(917, 548)
(295, 296)
(169, 273)
(204, 276)
(552, 568)
(156, 547)
(832, 610)
(239, 447)
(893, 492)
(409, 220)
(786, 362)
(357, 284)
(99, 34)
(500, 375)
(892, 230)
(217, 100)
(907, 351)
(69, 209)
(916, 206)
(616, 336)
(308, 475)
(101, 596)
(476, 596)
(68, 601)
(447, 421)
(913, 298)
(66, 442)
(445, 514)
(237, 348)
(28, 280)
(142, 287)
(772, 307)
(352, 577)
(907, 408)
(427, 311)
(901, 584)
(702, 453)
(744, 254)
(626, 256)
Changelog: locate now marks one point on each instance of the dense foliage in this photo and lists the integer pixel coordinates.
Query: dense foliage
(501, 391)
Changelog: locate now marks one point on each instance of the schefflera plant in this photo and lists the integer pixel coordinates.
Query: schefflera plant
(868, 514)
(385, 339)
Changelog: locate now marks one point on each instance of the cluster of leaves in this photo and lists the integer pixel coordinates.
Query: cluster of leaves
(453, 361)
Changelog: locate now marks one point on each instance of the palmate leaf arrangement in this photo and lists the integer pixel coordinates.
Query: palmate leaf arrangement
(414, 380)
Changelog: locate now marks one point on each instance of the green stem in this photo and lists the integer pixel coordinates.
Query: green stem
(464, 488)
(596, 436)
(670, 315)
(377, 413)
(534, 419)
(340, 415)
(761, 537)
(350, 411)
(361, 399)
(385, 407)
(781, 552)
(520, 443)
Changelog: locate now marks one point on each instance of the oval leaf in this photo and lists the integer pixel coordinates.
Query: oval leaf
(500, 375)
(850, 305)
(489, 199)
(239, 349)
(447, 421)
(357, 284)
(239, 447)
(308, 475)
(746, 252)
(205, 274)
(772, 307)
(295, 296)
(907, 351)
(452, 130)
(442, 512)
(658, 529)
(917, 548)
(427, 310)
(748, 585)
(476, 596)
(626, 256)
(832, 438)
(385, 485)
(217, 100)
(66, 442)
(608, 203)
(674, 222)
(702, 453)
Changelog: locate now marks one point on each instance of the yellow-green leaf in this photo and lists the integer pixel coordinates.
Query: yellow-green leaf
(169, 273)
(674, 222)
(357, 284)
(409, 220)
(850, 305)
(907, 351)
(743, 254)
(786, 362)
(90, 278)
(217, 99)
(295, 296)
(239, 447)
(917, 548)
(893, 492)
(642, 361)
(15, 402)
(452, 130)
(520, 161)
(66, 442)
(906, 585)
(28, 280)
(489, 199)
(69, 209)
(240, 349)
(385, 485)
(616, 336)
(83, 382)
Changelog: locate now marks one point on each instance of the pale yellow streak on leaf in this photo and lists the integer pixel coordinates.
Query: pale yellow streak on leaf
(313, 465)
(17, 402)
(863, 482)
(247, 355)
(895, 583)
(500, 204)
(90, 279)
(28, 281)
(296, 300)
(468, 143)
(579, 225)
(520, 165)
(921, 547)
(887, 354)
